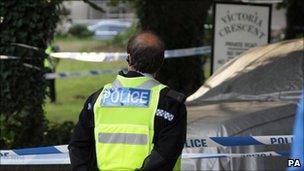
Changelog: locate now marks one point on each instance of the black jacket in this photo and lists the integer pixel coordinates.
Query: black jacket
(169, 136)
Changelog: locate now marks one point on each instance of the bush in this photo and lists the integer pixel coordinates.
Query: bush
(123, 38)
(57, 133)
(80, 31)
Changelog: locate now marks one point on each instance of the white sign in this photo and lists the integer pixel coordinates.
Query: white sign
(237, 28)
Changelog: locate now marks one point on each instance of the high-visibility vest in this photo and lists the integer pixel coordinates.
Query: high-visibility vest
(47, 61)
(124, 122)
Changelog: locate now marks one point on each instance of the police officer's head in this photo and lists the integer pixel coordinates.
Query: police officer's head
(145, 52)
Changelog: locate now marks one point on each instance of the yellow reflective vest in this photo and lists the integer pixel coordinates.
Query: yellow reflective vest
(47, 61)
(124, 122)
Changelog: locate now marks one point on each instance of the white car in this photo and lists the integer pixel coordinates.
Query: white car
(107, 29)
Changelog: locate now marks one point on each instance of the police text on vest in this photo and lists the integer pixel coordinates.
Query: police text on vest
(125, 97)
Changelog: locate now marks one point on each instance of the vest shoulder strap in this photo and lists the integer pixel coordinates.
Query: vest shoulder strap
(95, 96)
(176, 96)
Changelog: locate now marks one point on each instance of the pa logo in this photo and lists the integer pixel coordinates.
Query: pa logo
(294, 163)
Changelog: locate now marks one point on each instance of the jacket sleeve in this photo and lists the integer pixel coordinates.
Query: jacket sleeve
(82, 147)
(169, 142)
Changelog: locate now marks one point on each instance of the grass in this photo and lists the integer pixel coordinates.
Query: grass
(72, 92)
(73, 44)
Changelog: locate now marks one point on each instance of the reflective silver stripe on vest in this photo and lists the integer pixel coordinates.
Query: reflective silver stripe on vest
(123, 138)
(149, 84)
(145, 85)
(116, 83)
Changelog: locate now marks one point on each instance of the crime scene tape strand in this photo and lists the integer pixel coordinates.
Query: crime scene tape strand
(63, 157)
(59, 154)
(118, 56)
(241, 155)
(237, 141)
(78, 74)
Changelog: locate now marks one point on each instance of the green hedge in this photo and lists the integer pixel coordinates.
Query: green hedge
(80, 31)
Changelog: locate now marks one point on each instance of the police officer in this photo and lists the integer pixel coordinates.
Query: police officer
(50, 65)
(135, 122)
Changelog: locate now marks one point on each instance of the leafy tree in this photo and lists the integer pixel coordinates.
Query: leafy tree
(180, 24)
(22, 85)
(295, 19)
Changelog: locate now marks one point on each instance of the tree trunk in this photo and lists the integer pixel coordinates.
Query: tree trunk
(180, 24)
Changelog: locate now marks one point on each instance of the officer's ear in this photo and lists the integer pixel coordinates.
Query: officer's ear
(128, 59)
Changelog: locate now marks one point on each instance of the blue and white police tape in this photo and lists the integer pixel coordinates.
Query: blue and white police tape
(237, 141)
(59, 155)
(187, 52)
(24, 64)
(111, 56)
(40, 51)
(240, 155)
(8, 57)
(78, 74)
(65, 74)
(117, 56)
(32, 156)
(91, 56)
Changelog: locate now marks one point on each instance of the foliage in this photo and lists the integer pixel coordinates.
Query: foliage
(80, 31)
(58, 133)
(22, 85)
(64, 19)
(181, 25)
(86, 44)
(123, 38)
(294, 26)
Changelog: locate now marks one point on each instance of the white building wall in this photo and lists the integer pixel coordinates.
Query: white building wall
(278, 18)
(80, 10)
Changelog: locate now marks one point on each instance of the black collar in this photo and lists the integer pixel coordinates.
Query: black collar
(130, 74)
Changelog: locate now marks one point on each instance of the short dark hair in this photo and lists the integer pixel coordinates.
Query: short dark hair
(146, 52)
